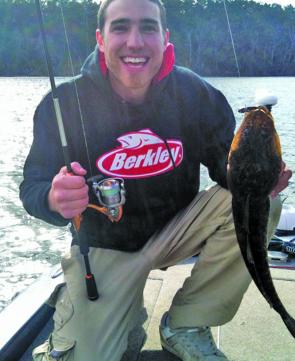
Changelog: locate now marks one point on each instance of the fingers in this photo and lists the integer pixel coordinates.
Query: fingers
(76, 168)
(68, 195)
(71, 209)
(283, 181)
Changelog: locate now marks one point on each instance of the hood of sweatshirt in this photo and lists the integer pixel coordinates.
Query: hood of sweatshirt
(95, 68)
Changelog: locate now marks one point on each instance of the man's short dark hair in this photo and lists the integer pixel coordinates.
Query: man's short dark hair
(105, 3)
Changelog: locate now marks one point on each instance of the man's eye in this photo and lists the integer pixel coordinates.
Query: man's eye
(119, 28)
(149, 28)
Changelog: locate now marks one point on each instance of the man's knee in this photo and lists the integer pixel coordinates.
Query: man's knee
(274, 216)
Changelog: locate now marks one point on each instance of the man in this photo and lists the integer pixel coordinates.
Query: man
(142, 119)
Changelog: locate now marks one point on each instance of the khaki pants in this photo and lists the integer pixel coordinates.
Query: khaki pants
(98, 330)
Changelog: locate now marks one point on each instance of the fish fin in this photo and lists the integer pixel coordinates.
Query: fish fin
(249, 254)
(246, 228)
(259, 228)
(242, 219)
(246, 214)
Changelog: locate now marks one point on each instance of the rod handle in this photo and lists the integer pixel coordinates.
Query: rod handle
(91, 287)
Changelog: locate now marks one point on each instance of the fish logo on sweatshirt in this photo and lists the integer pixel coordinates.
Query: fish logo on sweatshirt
(141, 154)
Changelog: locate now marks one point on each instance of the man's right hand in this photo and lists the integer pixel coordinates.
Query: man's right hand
(68, 195)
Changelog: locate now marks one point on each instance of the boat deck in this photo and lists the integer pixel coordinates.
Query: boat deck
(255, 334)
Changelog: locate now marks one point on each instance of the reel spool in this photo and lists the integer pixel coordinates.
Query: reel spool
(110, 193)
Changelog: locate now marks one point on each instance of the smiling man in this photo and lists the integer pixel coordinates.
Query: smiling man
(141, 126)
(133, 46)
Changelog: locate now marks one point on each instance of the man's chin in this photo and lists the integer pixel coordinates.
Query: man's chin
(131, 85)
(136, 84)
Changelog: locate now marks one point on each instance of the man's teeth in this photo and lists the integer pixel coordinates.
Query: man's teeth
(132, 60)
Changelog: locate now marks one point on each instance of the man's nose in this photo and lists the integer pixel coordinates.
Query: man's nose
(135, 39)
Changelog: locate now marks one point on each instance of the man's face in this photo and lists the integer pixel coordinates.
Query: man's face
(133, 43)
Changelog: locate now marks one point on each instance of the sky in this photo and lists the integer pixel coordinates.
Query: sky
(280, 2)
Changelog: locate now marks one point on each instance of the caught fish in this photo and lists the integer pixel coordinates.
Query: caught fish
(254, 166)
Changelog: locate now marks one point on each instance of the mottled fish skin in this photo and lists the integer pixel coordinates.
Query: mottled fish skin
(254, 161)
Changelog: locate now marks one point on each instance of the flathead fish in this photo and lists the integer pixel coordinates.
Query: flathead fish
(254, 166)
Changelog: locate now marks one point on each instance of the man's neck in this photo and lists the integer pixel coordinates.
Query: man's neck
(133, 96)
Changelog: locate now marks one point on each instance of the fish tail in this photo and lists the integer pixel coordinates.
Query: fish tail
(251, 216)
(258, 230)
(290, 324)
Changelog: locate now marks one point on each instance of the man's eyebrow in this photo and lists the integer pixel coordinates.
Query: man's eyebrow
(128, 21)
(120, 21)
(149, 21)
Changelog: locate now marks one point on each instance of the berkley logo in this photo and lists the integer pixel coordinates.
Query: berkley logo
(141, 154)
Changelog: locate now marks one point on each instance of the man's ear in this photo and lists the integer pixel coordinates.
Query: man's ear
(99, 40)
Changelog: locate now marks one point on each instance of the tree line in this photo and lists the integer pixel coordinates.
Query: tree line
(211, 37)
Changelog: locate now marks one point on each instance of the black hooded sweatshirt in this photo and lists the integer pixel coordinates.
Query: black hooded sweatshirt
(156, 147)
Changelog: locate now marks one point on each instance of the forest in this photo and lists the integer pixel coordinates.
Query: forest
(211, 37)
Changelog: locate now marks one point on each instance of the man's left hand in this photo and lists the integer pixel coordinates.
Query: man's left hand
(283, 181)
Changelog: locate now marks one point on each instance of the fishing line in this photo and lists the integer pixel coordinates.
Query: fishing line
(232, 39)
(76, 89)
(87, 28)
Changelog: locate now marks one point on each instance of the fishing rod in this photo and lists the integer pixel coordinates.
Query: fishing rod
(92, 292)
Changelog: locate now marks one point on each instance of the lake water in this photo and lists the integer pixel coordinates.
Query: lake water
(28, 247)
